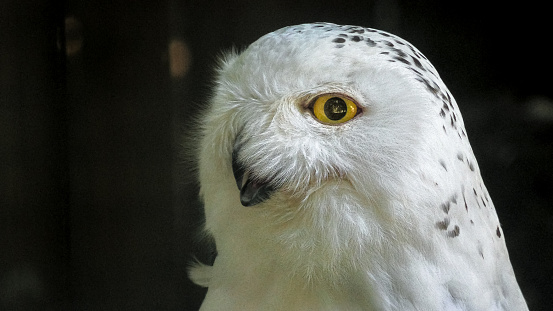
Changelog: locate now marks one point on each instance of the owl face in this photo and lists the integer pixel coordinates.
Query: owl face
(315, 103)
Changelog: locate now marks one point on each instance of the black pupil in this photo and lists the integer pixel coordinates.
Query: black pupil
(335, 108)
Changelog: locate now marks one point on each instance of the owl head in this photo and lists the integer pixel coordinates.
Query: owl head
(334, 158)
(319, 105)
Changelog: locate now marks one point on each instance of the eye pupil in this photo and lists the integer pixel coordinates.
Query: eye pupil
(335, 108)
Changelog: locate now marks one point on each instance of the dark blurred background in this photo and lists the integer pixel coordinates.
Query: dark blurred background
(98, 206)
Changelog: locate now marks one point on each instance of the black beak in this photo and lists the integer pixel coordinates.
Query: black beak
(252, 191)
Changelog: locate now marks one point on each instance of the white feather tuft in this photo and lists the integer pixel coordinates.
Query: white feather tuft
(200, 273)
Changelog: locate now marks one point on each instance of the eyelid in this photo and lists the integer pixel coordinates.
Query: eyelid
(313, 99)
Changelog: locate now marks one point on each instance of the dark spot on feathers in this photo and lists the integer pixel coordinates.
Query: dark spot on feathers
(446, 207)
(453, 199)
(414, 51)
(442, 163)
(445, 100)
(454, 233)
(399, 52)
(418, 63)
(415, 71)
(370, 42)
(434, 89)
(498, 232)
(359, 31)
(442, 225)
(403, 60)
(339, 40)
(356, 38)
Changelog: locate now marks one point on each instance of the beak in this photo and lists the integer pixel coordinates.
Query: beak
(252, 190)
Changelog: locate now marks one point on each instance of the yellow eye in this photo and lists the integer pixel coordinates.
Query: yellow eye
(333, 109)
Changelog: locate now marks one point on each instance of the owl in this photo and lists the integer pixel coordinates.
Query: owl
(336, 174)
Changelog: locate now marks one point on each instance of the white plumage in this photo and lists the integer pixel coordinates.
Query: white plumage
(383, 211)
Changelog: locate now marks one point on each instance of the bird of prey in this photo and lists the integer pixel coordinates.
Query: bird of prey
(337, 174)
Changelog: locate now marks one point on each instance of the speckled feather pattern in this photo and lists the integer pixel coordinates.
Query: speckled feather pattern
(387, 211)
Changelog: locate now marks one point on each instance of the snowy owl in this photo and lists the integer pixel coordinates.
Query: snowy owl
(337, 174)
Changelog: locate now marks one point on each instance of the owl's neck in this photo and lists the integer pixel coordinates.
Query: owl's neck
(314, 253)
